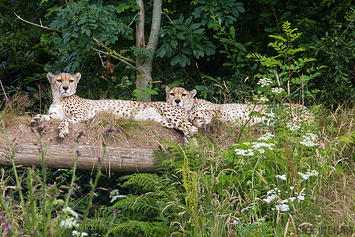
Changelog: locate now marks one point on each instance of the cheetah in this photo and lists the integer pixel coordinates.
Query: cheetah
(71, 108)
(200, 111)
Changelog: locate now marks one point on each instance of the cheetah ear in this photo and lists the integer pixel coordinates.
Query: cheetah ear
(50, 77)
(193, 93)
(77, 77)
(167, 89)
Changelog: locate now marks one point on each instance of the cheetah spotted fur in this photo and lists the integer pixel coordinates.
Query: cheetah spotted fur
(200, 112)
(70, 108)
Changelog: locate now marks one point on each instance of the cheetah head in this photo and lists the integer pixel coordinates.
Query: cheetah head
(180, 97)
(63, 84)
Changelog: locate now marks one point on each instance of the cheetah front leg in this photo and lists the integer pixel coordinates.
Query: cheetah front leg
(39, 118)
(63, 127)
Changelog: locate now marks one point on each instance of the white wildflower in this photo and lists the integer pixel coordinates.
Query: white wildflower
(277, 90)
(309, 139)
(258, 145)
(247, 208)
(284, 201)
(283, 177)
(293, 127)
(257, 222)
(68, 210)
(69, 223)
(115, 194)
(282, 207)
(271, 196)
(241, 152)
(264, 82)
(308, 174)
(292, 199)
(300, 197)
(236, 221)
(266, 137)
(263, 99)
(77, 233)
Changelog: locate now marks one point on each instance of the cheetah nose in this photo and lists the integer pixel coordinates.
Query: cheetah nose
(177, 101)
(65, 88)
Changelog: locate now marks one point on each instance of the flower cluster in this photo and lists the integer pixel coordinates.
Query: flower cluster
(256, 146)
(266, 137)
(259, 146)
(241, 152)
(281, 204)
(309, 139)
(277, 90)
(110, 129)
(264, 82)
(79, 234)
(6, 225)
(71, 221)
(293, 127)
(80, 134)
(263, 99)
(308, 174)
(283, 177)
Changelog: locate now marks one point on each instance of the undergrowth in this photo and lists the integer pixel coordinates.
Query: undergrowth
(292, 178)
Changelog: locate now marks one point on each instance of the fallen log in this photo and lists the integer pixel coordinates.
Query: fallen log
(117, 159)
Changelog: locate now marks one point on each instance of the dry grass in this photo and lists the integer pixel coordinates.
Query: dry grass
(129, 128)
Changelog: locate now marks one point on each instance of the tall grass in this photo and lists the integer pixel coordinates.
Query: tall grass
(296, 178)
(33, 205)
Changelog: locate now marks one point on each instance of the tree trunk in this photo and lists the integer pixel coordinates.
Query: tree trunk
(145, 66)
(117, 159)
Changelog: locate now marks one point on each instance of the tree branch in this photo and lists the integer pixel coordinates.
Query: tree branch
(41, 26)
(140, 40)
(155, 28)
(114, 56)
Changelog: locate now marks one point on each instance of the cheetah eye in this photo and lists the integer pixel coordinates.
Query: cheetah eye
(60, 81)
(183, 94)
(172, 94)
(71, 81)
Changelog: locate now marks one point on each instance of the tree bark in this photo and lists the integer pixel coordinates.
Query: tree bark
(145, 66)
(117, 159)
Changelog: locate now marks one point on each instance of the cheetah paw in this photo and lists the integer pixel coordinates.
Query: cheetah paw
(36, 119)
(63, 132)
(193, 130)
(39, 118)
(199, 123)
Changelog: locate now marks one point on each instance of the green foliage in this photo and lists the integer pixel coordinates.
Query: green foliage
(182, 39)
(286, 70)
(80, 22)
(145, 92)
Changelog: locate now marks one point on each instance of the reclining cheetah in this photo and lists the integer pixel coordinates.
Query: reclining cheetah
(70, 108)
(200, 112)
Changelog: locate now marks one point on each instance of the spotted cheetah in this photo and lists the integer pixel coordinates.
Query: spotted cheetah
(70, 108)
(200, 112)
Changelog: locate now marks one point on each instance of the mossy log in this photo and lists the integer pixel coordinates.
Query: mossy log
(117, 159)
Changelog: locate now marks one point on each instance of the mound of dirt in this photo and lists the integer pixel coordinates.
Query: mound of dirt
(136, 134)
